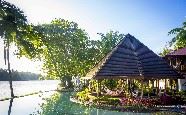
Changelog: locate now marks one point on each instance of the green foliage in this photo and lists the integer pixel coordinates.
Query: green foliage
(107, 100)
(15, 29)
(110, 83)
(60, 104)
(83, 96)
(165, 52)
(66, 51)
(179, 41)
(109, 41)
(182, 93)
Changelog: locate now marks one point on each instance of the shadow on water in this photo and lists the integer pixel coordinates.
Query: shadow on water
(10, 106)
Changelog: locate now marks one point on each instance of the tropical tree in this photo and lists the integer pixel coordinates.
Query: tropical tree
(109, 41)
(69, 51)
(165, 51)
(179, 41)
(66, 49)
(15, 29)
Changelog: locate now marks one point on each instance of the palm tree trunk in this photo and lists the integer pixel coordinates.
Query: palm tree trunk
(9, 70)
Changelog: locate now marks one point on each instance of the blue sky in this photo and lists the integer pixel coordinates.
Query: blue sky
(148, 20)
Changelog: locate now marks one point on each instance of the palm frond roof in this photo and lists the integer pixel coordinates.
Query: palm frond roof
(132, 59)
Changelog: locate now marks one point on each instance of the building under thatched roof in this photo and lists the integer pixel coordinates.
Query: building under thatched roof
(177, 59)
(132, 59)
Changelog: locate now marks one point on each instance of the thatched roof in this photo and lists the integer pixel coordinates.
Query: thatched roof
(132, 59)
(179, 52)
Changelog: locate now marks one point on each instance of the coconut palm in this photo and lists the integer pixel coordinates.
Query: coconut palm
(15, 29)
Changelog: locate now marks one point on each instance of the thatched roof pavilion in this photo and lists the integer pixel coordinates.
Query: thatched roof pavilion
(132, 59)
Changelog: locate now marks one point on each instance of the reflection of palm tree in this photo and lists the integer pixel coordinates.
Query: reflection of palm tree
(10, 106)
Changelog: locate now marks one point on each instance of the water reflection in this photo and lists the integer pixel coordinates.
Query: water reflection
(59, 103)
(10, 106)
(53, 103)
(23, 105)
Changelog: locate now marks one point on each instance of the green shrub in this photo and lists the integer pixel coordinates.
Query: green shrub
(107, 100)
(83, 95)
(110, 83)
(182, 93)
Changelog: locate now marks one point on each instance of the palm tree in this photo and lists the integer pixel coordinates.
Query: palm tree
(12, 29)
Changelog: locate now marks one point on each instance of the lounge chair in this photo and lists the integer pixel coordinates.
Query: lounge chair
(113, 93)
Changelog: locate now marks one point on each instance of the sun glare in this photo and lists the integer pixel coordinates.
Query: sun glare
(19, 64)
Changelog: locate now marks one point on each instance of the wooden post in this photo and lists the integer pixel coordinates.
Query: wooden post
(158, 86)
(171, 83)
(148, 88)
(97, 88)
(152, 82)
(156, 83)
(176, 84)
(165, 84)
(142, 88)
(100, 87)
(127, 85)
(89, 86)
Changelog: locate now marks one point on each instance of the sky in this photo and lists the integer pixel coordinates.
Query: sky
(147, 20)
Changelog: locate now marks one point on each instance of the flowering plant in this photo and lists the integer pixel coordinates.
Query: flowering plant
(145, 102)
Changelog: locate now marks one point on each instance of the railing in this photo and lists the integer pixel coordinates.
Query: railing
(183, 68)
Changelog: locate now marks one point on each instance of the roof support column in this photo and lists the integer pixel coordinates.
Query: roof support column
(157, 86)
(90, 86)
(98, 87)
(165, 84)
(171, 84)
(176, 81)
(142, 88)
(148, 88)
(127, 86)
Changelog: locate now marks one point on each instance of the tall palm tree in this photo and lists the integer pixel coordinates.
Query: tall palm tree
(12, 29)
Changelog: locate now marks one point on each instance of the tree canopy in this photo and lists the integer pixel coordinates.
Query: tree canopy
(14, 28)
(179, 41)
(65, 48)
(68, 50)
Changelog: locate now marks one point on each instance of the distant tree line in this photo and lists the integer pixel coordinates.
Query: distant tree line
(18, 76)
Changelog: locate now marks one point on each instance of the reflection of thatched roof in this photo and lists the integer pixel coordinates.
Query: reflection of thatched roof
(132, 59)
